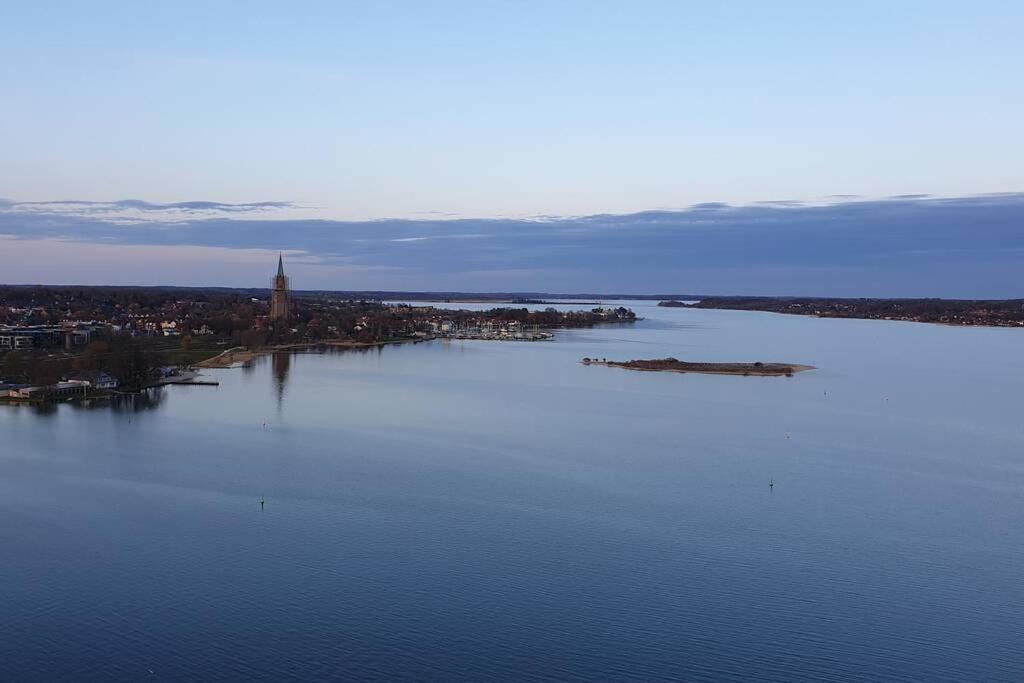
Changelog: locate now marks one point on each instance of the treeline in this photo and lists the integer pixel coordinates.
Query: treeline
(1003, 312)
(134, 362)
(86, 303)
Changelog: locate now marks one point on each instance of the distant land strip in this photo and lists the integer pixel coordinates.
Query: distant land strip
(988, 313)
(968, 312)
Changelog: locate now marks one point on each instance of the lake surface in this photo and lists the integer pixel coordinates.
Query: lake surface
(496, 510)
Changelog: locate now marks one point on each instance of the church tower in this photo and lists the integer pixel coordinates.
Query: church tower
(279, 303)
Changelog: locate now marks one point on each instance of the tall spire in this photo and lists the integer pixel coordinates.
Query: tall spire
(279, 292)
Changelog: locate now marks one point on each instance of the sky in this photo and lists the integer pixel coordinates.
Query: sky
(861, 149)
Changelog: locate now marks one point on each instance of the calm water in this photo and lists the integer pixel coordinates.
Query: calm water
(488, 510)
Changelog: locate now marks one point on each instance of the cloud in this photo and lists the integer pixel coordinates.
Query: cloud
(201, 206)
(782, 202)
(710, 206)
(138, 210)
(906, 246)
(153, 206)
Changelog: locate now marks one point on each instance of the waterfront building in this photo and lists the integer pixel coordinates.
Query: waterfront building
(30, 336)
(97, 379)
(280, 294)
(10, 390)
(62, 389)
(15, 342)
(24, 337)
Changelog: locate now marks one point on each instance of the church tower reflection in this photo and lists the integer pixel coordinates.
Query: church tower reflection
(280, 364)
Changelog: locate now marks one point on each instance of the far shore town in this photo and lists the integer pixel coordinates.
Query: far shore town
(61, 342)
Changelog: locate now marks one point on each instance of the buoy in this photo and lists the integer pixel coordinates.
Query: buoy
(261, 502)
(771, 483)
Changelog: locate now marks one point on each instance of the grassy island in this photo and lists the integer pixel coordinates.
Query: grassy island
(674, 365)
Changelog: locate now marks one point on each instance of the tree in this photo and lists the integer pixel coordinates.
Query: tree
(130, 363)
(252, 339)
(14, 366)
(96, 356)
(43, 371)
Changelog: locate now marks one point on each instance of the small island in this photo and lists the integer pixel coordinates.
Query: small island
(675, 365)
(673, 303)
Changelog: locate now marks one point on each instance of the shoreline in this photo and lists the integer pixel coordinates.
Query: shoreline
(957, 313)
(239, 355)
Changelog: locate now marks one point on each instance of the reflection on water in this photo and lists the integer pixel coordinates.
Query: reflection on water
(150, 399)
(41, 409)
(486, 510)
(281, 363)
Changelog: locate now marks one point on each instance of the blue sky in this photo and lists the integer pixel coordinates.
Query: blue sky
(496, 113)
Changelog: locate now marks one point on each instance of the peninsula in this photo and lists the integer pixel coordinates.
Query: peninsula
(68, 342)
(675, 365)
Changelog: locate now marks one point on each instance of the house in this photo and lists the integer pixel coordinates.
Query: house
(15, 342)
(26, 393)
(71, 387)
(97, 379)
(30, 336)
(8, 390)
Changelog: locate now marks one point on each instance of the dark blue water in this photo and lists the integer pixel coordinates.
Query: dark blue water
(488, 510)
